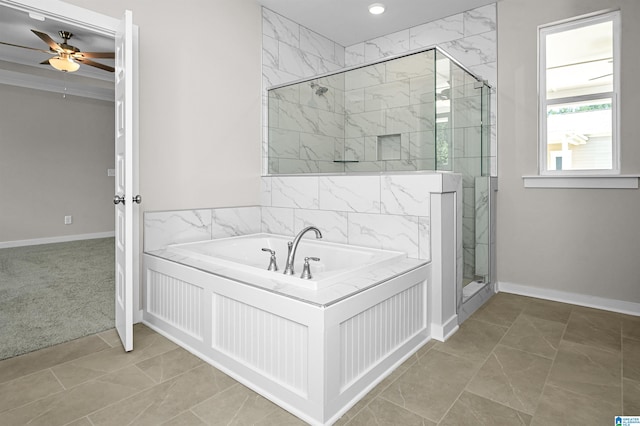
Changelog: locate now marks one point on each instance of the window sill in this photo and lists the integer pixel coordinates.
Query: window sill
(593, 182)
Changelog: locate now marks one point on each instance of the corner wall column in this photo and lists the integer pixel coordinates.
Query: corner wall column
(443, 289)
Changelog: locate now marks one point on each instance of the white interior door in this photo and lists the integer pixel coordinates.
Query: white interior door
(125, 196)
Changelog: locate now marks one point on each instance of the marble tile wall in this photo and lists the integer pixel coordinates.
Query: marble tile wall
(469, 37)
(481, 264)
(389, 212)
(187, 226)
(389, 113)
(292, 52)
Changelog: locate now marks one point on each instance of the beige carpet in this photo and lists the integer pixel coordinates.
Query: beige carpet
(53, 293)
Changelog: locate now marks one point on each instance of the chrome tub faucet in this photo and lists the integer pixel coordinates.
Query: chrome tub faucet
(293, 246)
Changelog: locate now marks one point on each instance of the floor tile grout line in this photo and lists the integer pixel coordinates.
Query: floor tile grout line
(50, 366)
(37, 399)
(480, 368)
(236, 384)
(79, 418)
(147, 388)
(404, 408)
(120, 400)
(392, 382)
(107, 372)
(553, 362)
(382, 390)
(133, 420)
(488, 398)
(190, 409)
(57, 378)
(105, 340)
(151, 378)
(480, 363)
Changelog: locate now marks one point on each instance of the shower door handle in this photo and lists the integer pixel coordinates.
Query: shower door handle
(118, 199)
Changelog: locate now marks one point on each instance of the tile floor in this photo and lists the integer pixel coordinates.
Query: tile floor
(517, 361)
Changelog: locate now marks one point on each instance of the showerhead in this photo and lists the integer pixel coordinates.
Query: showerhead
(320, 90)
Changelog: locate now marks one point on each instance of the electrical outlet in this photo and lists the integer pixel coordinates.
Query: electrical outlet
(68, 220)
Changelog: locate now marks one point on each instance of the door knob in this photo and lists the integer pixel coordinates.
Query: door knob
(118, 199)
(137, 199)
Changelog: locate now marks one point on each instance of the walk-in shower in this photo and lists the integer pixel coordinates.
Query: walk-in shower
(417, 112)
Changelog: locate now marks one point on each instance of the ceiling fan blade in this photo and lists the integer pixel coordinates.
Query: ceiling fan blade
(108, 55)
(45, 37)
(95, 64)
(45, 62)
(26, 47)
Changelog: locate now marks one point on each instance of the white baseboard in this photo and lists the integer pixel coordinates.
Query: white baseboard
(621, 306)
(443, 332)
(62, 239)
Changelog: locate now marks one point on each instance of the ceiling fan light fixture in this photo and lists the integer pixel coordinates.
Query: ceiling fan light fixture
(376, 8)
(64, 63)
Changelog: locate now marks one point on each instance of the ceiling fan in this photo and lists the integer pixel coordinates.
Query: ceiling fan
(67, 56)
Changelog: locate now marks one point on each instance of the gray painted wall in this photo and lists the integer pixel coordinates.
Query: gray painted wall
(54, 156)
(200, 100)
(583, 241)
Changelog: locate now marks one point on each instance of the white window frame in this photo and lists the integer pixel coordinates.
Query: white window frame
(562, 26)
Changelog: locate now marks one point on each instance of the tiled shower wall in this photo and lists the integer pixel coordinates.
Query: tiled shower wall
(469, 37)
(380, 117)
(292, 52)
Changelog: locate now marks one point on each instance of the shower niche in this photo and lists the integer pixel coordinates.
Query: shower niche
(417, 112)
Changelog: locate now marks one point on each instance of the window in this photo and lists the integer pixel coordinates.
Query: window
(578, 82)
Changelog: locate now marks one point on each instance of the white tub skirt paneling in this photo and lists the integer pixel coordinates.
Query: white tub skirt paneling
(271, 344)
(176, 302)
(315, 362)
(371, 335)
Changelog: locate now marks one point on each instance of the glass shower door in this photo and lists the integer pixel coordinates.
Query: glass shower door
(462, 146)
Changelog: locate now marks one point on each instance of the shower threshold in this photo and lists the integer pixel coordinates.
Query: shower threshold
(471, 288)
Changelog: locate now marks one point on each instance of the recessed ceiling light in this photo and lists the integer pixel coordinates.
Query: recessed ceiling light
(376, 8)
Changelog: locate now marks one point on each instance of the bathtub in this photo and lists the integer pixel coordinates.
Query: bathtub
(337, 261)
(314, 347)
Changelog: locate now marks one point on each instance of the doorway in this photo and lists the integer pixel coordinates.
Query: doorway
(80, 18)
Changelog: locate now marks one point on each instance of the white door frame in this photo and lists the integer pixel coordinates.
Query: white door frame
(107, 26)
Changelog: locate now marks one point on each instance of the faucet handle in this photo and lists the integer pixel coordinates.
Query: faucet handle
(306, 270)
(273, 266)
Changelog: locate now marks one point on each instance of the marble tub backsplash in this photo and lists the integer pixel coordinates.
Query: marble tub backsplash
(390, 212)
(187, 226)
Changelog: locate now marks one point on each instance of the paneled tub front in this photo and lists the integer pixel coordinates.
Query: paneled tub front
(315, 351)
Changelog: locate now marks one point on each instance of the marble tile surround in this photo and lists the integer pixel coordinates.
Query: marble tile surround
(469, 37)
(390, 212)
(187, 226)
(291, 52)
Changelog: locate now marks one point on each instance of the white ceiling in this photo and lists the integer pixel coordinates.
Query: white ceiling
(348, 22)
